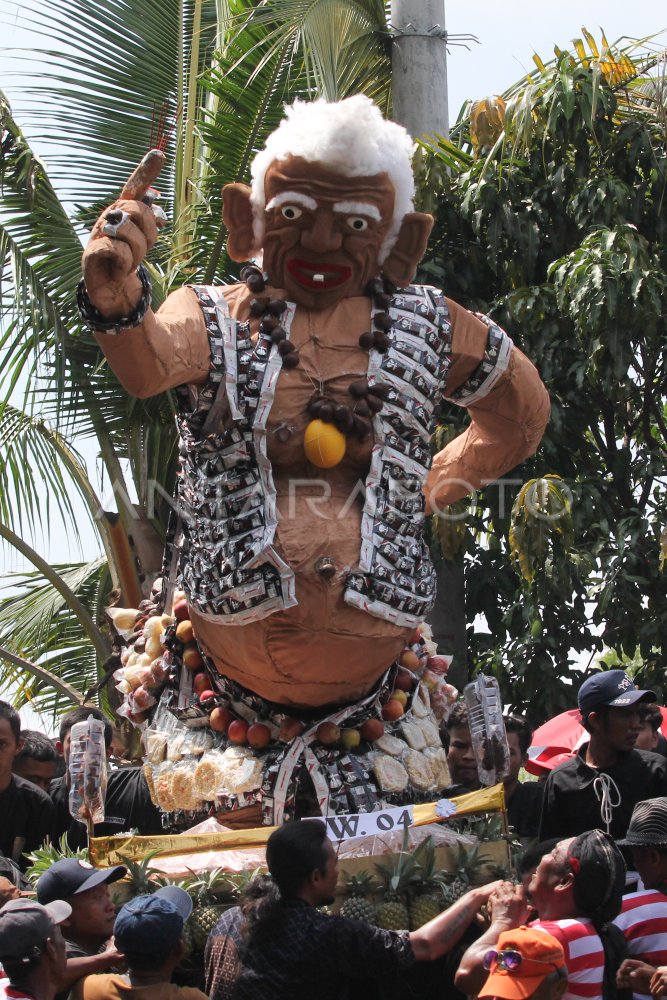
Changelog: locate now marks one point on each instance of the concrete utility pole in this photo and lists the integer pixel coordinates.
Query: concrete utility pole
(419, 66)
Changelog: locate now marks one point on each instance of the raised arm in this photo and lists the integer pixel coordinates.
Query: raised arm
(149, 352)
(443, 933)
(508, 405)
(508, 910)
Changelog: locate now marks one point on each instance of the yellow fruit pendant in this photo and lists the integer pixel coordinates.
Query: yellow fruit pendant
(323, 444)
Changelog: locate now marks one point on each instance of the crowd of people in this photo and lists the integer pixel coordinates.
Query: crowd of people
(586, 917)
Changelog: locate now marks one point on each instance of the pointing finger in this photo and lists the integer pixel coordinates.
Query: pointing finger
(144, 175)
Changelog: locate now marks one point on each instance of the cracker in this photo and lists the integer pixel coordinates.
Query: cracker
(390, 744)
(431, 732)
(438, 761)
(241, 770)
(413, 735)
(421, 703)
(419, 770)
(390, 773)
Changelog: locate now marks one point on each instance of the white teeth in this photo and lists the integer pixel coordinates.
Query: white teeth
(318, 277)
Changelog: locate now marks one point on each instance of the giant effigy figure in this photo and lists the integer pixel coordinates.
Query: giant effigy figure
(308, 393)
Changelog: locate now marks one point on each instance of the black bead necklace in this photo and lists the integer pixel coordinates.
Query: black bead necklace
(368, 399)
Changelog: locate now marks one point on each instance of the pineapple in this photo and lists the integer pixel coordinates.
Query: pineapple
(206, 891)
(357, 905)
(392, 913)
(458, 882)
(427, 899)
(143, 878)
(43, 857)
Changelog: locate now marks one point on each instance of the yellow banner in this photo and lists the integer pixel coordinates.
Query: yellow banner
(106, 851)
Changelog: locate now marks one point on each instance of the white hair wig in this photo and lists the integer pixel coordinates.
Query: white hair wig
(348, 136)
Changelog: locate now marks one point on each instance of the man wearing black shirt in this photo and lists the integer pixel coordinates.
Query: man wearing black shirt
(602, 783)
(523, 800)
(26, 812)
(279, 946)
(127, 805)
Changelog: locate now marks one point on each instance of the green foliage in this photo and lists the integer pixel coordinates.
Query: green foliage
(43, 857)
(559, 234)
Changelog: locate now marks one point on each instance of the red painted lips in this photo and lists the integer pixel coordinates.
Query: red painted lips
(304, 272)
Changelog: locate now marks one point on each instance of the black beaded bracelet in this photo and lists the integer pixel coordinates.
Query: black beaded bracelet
(98, 323)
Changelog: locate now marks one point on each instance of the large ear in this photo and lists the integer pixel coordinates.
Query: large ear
(409, 248)
(237, 216)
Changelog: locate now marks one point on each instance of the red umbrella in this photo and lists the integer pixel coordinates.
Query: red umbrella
(560, 738)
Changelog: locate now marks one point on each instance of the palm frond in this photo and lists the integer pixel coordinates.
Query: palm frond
(37, 624)
(38, 469)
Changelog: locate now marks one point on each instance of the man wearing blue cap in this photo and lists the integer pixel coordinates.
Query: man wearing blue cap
(149, 931)
(89, 928)
(600, 786)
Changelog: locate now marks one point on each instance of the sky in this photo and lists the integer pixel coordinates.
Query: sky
(508, 36)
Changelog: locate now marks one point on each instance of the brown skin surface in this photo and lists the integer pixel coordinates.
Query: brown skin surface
(321, 651)
(461, 758)
(613, 732)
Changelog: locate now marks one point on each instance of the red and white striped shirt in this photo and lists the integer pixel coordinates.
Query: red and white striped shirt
(643, 920)
(584, 956)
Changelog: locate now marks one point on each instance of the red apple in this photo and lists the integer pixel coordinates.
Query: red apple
(220, 720)
(207, 695)
(159, 670)
(328, 733)
(192, 659)
(238, 731)
(409, 659)
(404, 680)
(259, 735)
(392, 711)
(181, 610)
(200, 682)
(439, 664)
(143, 699)
(145, 677)
(372, 729)
(415, 638)
(290, 728)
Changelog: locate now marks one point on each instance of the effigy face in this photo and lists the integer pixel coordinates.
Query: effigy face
(323, 231)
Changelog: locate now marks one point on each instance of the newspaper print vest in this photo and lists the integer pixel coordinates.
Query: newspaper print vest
(228, 565)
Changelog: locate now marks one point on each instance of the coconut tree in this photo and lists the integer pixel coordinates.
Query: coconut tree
(206, 80)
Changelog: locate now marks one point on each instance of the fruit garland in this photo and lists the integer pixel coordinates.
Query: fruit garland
(387, 748)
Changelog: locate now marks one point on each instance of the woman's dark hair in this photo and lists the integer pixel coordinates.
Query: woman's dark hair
(599, 880)
(293, 853)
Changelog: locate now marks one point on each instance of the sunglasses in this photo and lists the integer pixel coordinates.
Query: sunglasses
(509, 960)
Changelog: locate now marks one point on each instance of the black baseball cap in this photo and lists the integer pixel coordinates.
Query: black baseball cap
(610, 687)
(71, 876)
